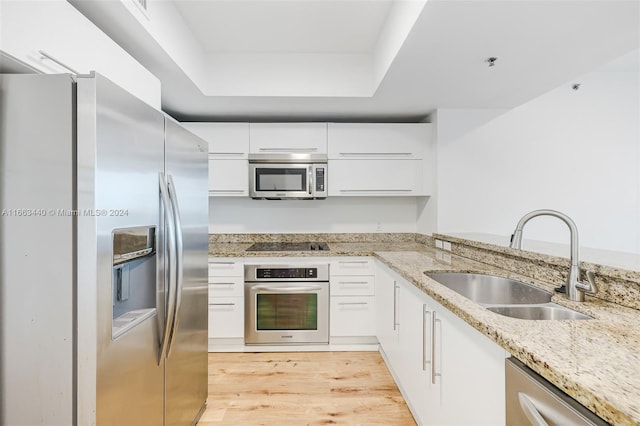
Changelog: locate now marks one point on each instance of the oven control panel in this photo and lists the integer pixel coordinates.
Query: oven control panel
(286, 273)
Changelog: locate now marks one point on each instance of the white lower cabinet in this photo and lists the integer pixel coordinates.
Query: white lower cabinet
(226, 302)
(226, 317)
(352, 316)
(448, 372)
(352, 301)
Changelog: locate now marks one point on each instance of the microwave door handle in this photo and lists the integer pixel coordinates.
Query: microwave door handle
(311, 179)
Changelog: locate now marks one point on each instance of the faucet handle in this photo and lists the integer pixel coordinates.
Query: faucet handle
(591, 286)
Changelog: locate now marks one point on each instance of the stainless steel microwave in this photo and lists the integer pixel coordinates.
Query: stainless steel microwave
(287, 176)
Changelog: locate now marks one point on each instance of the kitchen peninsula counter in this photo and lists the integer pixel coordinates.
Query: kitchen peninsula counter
(596, 361)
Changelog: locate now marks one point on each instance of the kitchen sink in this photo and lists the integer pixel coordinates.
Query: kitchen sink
(490, 289)
(506, 296)
(538, 312)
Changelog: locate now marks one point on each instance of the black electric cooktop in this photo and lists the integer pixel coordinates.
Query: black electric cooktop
(268, 246)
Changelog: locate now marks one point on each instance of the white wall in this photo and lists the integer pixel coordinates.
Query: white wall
(337, 214)
(573, 151)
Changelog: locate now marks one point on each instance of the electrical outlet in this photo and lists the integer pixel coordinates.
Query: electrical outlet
(446, 245)
(378, 226)
(439, 244)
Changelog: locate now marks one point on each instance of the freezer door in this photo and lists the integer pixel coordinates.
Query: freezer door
(186, 363)
(120, 303)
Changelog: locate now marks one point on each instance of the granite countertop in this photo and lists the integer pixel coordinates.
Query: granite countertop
(596, 361)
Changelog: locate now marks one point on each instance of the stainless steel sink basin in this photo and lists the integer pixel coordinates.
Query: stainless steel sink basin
(538, 312)
(489, 289)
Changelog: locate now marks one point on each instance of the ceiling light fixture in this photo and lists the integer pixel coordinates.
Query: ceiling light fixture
(491, 60)
(576, 86)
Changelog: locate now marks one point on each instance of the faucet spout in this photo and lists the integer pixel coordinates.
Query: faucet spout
(575, 288)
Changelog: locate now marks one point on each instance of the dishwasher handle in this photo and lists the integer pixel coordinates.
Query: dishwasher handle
(530, 411)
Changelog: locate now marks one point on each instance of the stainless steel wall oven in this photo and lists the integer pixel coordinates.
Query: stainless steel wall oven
(286, 304)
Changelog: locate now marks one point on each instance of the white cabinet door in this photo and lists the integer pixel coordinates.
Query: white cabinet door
(226, 140)
(228, 178)
(471, 374)
(277, 138)
(387, 314)
(440, 362)
(63, 34)
(352, 316)
(226, 318)
(376, 178)
(414, 365)
(378, 140)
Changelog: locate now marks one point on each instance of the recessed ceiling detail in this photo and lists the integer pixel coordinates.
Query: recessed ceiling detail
(426, 56)
(316, 48)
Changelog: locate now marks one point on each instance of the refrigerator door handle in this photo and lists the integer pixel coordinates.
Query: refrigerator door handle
(172, 255)
(180, 253)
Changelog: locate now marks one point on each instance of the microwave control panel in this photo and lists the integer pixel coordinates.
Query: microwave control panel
(320, 179)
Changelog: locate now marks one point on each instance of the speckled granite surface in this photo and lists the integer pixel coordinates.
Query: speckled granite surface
(617, 285)
(595, 361)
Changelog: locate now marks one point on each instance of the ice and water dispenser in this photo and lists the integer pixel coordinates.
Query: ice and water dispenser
(134, 277)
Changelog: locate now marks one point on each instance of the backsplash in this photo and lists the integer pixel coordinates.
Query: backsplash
(616, 285)
(395, 237)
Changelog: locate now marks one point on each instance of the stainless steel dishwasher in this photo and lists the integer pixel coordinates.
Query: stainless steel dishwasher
(533, 400)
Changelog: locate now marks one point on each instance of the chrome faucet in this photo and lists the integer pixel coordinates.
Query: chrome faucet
(575, 289)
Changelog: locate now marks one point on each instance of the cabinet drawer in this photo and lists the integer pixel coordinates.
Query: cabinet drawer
(226, 317)
(226, 268)
(352, 285)
(225, 287)
(352, 266)
(352, 316)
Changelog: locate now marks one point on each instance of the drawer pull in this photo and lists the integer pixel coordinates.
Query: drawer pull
(221, 283)
(352, 303)
(222, 263)
(357, 154)
(353, 282)
(222, 304)
(376, 190)
(346, 262)
(288, 149)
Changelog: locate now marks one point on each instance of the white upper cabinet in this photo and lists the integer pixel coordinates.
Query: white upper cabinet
(228, 152)
(378, 140)
(53, 37)
(382, 177)
(380, 159)
(282, 138)
(226, 140)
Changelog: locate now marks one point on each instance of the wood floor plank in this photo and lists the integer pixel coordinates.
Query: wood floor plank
(302, 388)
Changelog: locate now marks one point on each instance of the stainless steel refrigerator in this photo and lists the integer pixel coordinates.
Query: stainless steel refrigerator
(103, 257)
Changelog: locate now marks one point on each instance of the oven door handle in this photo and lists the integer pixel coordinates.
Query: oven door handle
(280, 289)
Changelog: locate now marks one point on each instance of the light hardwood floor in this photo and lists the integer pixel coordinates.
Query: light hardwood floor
(302, 388)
